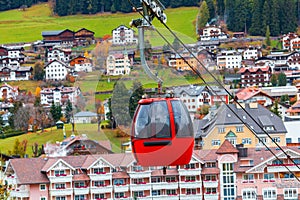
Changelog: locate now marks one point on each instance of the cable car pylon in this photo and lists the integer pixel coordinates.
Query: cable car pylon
(150, 8)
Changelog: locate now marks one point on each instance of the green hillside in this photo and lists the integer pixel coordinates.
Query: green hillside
(26, 26)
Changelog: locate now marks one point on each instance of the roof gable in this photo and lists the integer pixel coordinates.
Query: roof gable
(60, 164)
(226, 148)
(100, 162)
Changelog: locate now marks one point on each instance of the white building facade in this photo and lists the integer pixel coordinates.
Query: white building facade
(56, 70)
(229, 59)
(123, 35)
(118, 64)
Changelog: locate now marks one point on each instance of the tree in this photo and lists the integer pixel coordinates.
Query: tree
(268, 40)
(203, 16)
(256, 21)
(281, 79)
(21, 118)
(119, 104)
(69, 111)
(19, 148)
(274, 80)
(176, 44)
(136, 95)
(285, 99)
(275, 108)
(38, 71)
(55, 112)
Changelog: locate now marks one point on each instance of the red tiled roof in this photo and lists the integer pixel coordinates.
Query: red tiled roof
(226, 147)
(28, 170)
(120, 175)
(247, 93)
(81, 177)
(253, 69)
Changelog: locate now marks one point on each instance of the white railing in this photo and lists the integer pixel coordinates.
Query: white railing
(140, 174)
(211, 184)
(212, 196)
(19, 193)
(100, 177)
(165, 185)
(189, 172)
(60, 192)
(60, 179)
(190, 196)
(190, 184)
(121, 188)
(138, 187)
(104, 189)
(81, 190)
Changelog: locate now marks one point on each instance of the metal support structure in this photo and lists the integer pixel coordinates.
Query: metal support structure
(151, 9)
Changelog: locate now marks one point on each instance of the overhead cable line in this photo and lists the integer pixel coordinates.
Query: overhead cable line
(220, 84)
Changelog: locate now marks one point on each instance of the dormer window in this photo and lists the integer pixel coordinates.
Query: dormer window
(99, 170)
(137, 168)
(59, 173)
(269, 128)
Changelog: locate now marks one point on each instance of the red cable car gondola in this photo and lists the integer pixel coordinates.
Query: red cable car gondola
(162, 132)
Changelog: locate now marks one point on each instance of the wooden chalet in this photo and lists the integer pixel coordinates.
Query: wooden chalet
(60, 36)
(84, 35)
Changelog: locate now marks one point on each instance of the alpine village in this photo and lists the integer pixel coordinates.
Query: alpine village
(72, 74)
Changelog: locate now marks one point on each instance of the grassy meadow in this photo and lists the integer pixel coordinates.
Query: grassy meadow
(52, 135)
(27, 26)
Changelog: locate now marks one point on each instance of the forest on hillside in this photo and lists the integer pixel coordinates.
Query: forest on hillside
(14, 4)
(257, 17)
(254, 16)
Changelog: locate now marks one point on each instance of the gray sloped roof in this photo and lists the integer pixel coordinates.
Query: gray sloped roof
(85, 114)
(225, 116)
(50, 33)
(190, 90)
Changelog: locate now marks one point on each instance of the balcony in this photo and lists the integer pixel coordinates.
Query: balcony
(140, 174)
(282, 168)
(81, 190)
(61, 178)
(101, 189)
(121, 188)
(189, 172)
(100, 177)
(190, 196)
(190, 184)
(211, 196)
(165, 185)
(166, 197)
(17, 193)
(210, 183)
(138, 187)
(61, 192)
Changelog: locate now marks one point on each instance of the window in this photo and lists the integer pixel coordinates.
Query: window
(221, 130)
(138, 194)
(60, 198)
(269, 194)
(42, 187)
(211, 190)
(210, 178)
(119, 181)
(263, 140)
(60, 186)
(288, 175)
(79, 184)
(276, 139)
(170, 179)
(239, 129)
(249, 194)
(268, 177)
(190, 166)
(119, 194)
(99, 196)
(211, 164)
(288, 140)
(80, 197)
(156, 192)
(99, 183)
(290, 193)
(246, 141)
(43, 198)
(171, 192)
(215, 142)
(248, 178)
(98, 170)
(137, 168)
(59, 172)
(190, 178)
(138, 181)
(190, 191)
(155, 179)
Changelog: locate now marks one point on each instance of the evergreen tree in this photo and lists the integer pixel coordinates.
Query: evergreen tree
(55, 112)
(211, 9)
(268, 40)
(203, 15)
(119, 104)
(220, 8)
(256, 22)
(274, 18)
(69, 111)
(281, 79)
(137, 94)
(266, 16)
(287, 16)
(274, 80)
